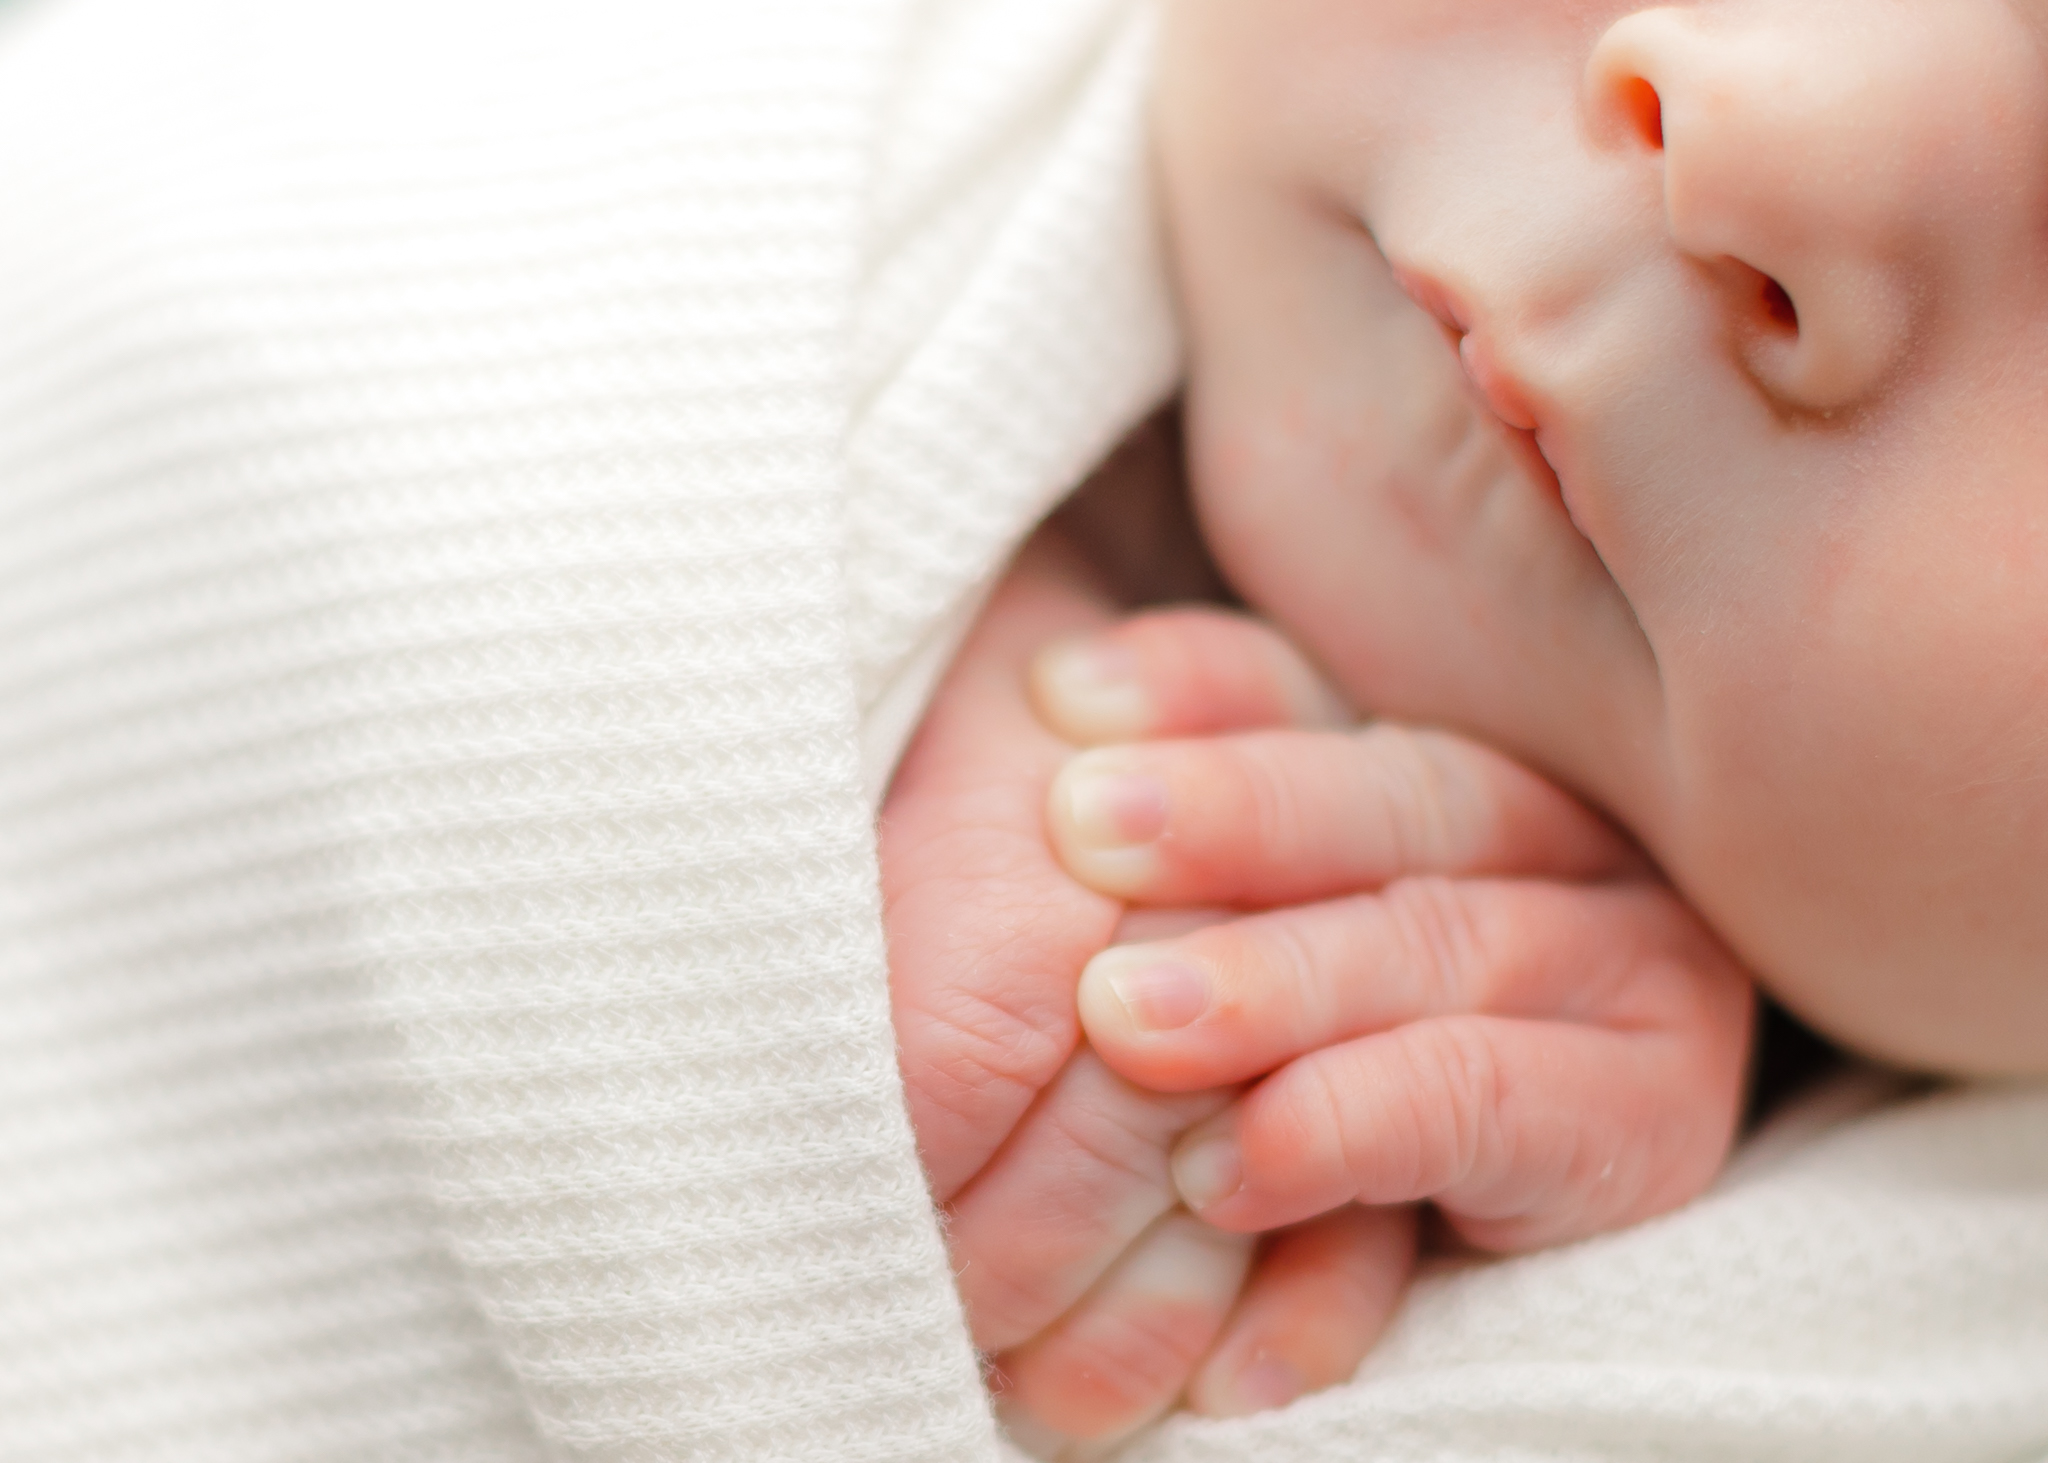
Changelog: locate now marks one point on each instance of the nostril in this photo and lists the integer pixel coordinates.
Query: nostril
(1778, 306)
(1644, 110)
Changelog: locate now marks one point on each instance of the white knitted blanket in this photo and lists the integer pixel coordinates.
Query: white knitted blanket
(484, 487)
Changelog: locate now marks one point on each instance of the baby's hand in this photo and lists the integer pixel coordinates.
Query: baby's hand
(1491, 1004)
(1094, 1292)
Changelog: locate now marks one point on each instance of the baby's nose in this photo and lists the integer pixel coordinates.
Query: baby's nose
(1790, 172)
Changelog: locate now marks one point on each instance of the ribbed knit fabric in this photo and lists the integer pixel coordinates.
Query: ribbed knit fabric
(484, 490)
(1867, 1284)
(461, 467)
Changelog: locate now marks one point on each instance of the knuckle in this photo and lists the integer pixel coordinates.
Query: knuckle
(1270, 809)
(977, 1049)
(1322, 1119)
(1113, 1366)
(1276, 982)
(1140, 1354)
(1473, 1088)
(1283, 960)
(984, 1013)
(1118, 1148)
(1446, 1105)
(1094, 1385)
(1439, 937)
(1426, 800)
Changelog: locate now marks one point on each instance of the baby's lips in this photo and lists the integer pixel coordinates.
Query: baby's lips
(1494, 386)
(1500, 393)
(1434, 297)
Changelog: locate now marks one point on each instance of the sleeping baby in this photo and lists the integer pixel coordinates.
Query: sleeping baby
(1638, 413)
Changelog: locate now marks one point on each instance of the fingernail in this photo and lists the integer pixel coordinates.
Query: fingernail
(1267, 1384)
(1208, 1171)
(1089, 689)
(1109, 806)
(1156, 994)
(1028, 1433)
(1105, 818)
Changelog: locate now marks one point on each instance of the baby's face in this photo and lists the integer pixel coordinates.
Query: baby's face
(1663, 395)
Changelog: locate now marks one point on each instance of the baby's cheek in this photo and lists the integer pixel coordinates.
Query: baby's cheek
(1861, 783)
(1297, 521)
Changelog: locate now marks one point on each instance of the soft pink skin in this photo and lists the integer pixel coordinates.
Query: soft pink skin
(1099, 1299)
(1789, 620)
(1791, 629)
(1601, 1030)
(1468, 989)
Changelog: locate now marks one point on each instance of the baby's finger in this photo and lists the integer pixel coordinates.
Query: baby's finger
(1180, 673)
(1525, 1133)
(1082, 1177)
(1320, 1297)
(1123, 1355)
(1268, 818)
(1232, 1000)
(986, 932)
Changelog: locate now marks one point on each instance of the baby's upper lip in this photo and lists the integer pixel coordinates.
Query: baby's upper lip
(1434, 296)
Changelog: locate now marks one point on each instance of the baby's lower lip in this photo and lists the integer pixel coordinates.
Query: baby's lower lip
(1502, 396)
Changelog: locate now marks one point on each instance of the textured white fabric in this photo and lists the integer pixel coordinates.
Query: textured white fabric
(1869, 1281)
(463, 464)
(484, 488)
